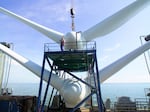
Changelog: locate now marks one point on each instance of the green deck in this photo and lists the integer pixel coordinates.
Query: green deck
(72, 60)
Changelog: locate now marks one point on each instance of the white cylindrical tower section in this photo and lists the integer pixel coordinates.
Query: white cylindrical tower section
(73, 92)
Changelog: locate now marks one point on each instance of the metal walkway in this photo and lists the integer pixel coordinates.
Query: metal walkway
(73, 61)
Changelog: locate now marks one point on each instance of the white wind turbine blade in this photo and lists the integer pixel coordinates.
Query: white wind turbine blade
(115, 21)
(31, 66)
(54, 35)
(111, 69)
(56, 81)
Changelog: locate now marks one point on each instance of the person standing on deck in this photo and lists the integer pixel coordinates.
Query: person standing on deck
(62, 44)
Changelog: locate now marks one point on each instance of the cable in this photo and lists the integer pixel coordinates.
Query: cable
(7, 70)
(147, 65)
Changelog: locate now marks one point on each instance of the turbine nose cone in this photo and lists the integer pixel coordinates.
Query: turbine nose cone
(70, 37)
(73, 40)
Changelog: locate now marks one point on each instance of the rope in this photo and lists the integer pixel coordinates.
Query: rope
(146, 60)
(7, 71)
(8, 66)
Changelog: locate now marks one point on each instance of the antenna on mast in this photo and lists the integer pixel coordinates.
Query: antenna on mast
(72, 12)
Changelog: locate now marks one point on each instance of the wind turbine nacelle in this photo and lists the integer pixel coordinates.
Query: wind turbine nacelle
(74, 41)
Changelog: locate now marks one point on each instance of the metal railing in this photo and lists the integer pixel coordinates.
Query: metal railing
(70, 46)
(139, 105)
(142, 104)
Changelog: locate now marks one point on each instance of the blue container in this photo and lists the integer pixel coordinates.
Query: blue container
(8, 106)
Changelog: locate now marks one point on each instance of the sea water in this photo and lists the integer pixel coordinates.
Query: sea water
(108, 90)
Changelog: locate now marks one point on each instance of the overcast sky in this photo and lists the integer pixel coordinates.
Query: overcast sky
(55, 15)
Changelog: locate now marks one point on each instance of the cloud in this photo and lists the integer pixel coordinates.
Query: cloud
(49, 11)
